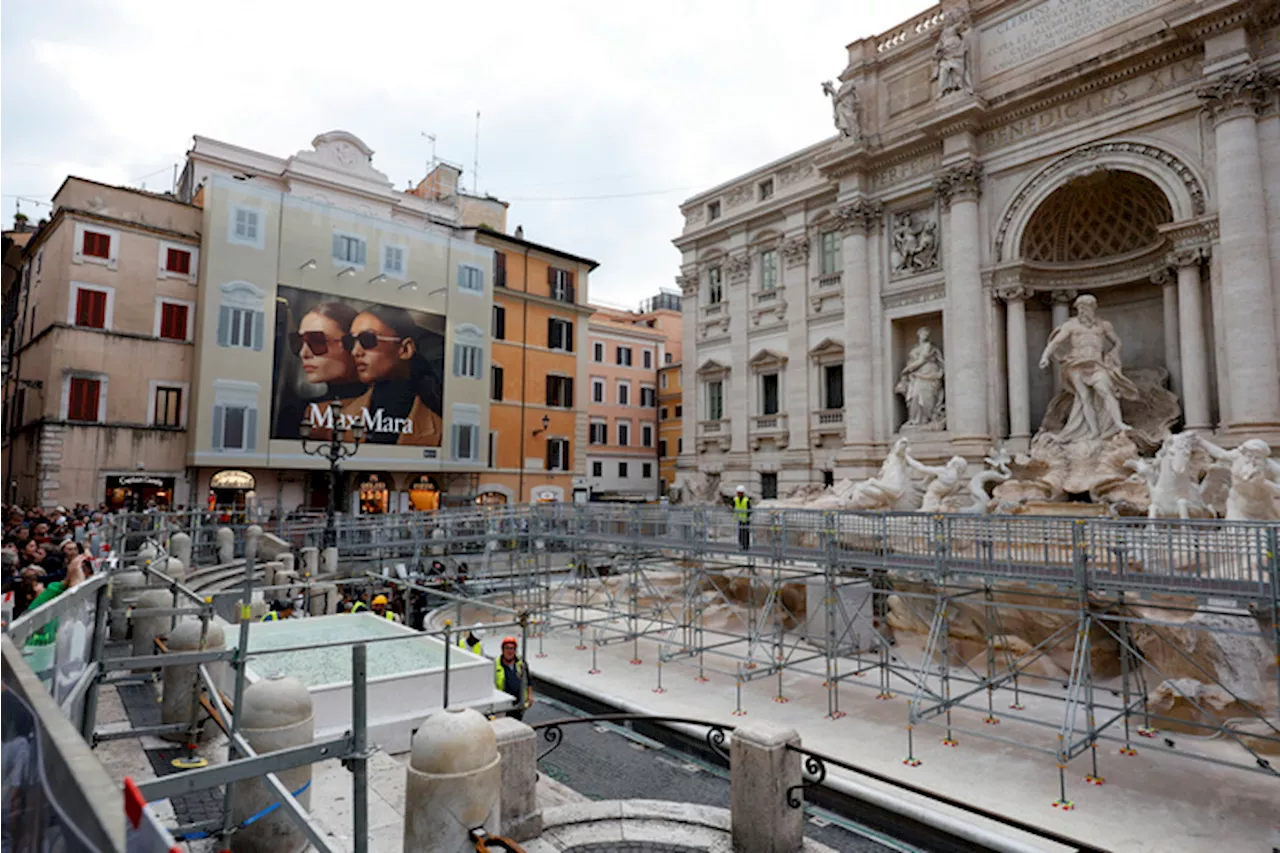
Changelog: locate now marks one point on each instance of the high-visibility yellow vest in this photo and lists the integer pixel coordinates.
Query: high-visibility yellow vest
(358, 606)
(476, 649)
(741, 505)
(500, 679)
(271, 616)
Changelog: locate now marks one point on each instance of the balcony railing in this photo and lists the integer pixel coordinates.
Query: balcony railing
(765, 296)
(830, 279)
(826, 421)
(713, 427)
(715, 309)
(768, 423)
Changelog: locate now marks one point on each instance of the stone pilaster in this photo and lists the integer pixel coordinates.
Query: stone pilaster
(1234, 102)
(737, 392)
(690, 282)
(857, 217)
(964, 330)
(1172, 352)
(796, 252)
(1015, 318)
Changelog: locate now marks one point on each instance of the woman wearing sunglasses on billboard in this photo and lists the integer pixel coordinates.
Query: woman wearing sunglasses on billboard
(385, 344)
(326, 362)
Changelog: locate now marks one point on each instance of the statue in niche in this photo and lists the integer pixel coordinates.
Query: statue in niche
(1087, 350)
(920, 384)
(845, 108)
(951, 57)
(915, 243)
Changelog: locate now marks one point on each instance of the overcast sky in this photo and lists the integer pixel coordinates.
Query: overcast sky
(643, 103)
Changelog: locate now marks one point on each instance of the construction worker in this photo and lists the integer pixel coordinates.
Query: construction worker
(512, 677)
(742, 512)
(471, 642)
(379, 607)
(280, 609)
(358, 605)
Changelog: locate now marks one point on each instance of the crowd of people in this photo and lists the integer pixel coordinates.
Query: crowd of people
(48, 551)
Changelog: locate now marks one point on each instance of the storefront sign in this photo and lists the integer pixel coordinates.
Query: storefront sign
(138, 481)
(423, 494)
(232, 479)
(343, 362)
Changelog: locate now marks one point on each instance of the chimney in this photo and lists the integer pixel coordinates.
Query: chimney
(519, 232)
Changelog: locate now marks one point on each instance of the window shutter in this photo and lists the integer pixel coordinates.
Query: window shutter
(568, 393)
(218, 415)
(551, 280)
(551, 333)
(224, 326)
(337, 248)
(362, 249)
(462, 277)
(457, 359)
(251, 429)
(568, 336)
(259, 321)
(499, 269)
(569, 278)
(551, 394)
(550, 455)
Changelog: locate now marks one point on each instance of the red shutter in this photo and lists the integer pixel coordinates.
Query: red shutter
(91, 308)
(178, 261)
(173, 321)
(96, 245)
(499, 269)
(569, 290)
(82, 402)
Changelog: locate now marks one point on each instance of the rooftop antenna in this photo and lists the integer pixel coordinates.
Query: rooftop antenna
(475, 163)
(432, 138)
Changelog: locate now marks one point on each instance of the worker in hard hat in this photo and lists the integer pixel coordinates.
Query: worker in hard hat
(280, 609)
(512, 677)
(379, 608)
(742, 512)
(471, 642)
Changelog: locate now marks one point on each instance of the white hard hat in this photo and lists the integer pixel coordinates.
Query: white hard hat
(742, 488)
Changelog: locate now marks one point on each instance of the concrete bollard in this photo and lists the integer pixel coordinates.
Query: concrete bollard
(310, 560)
(146, 556)
(454, 782)
(180, 547)
(517, 747)
(226, 539)
(324, 599)
(329, 562)
(269, 572)
(287, 580)
(174, 568)
(125, 589)
(276, 714)
(761, 769)
(147, 628)
(286, 559)
(181, 682)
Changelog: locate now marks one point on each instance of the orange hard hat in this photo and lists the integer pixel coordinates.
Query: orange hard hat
(510, 640)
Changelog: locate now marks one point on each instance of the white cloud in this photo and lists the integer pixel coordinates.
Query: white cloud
(577, 99)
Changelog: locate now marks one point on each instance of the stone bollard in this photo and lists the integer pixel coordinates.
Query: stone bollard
(329, 562)
(286, 560)
(269, 572)
(182, 681)
(174, 568)
(125, 589)
(276, 713)
(146, 556)
(517, 747)
(454, 782)
(180, 547)
(310, 561)
(324, 599)
(761, 769)
(147, 628)
(289, 581)
(226, 539)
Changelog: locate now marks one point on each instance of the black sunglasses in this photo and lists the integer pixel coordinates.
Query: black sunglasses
(317, 342)
(367, 340)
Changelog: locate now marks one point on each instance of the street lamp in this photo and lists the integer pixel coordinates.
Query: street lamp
(335, 450)
(546, 423)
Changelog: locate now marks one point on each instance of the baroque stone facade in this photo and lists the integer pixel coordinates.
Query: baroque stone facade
(990, 163)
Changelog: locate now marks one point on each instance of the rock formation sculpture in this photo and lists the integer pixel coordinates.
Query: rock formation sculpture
(920, 384)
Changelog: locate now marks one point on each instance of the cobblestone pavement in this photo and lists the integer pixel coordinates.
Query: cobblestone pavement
(603, 763)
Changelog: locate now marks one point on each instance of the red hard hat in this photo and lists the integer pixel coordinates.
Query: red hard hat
(512, 640)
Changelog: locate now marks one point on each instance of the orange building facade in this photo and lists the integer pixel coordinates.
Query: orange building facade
(670, 416)
(538, 372)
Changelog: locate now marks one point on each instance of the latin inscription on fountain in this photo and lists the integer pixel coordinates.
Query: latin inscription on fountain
(1049, 26)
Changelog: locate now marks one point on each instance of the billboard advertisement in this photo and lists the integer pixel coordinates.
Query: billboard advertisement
(343, 362)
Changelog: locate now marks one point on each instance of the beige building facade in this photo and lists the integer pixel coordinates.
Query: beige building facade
(98, 392)
(993, 161)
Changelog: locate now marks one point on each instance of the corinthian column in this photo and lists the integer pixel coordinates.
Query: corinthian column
(1233, 102)
(1015, 318)
(857, 217)
(965, 330)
